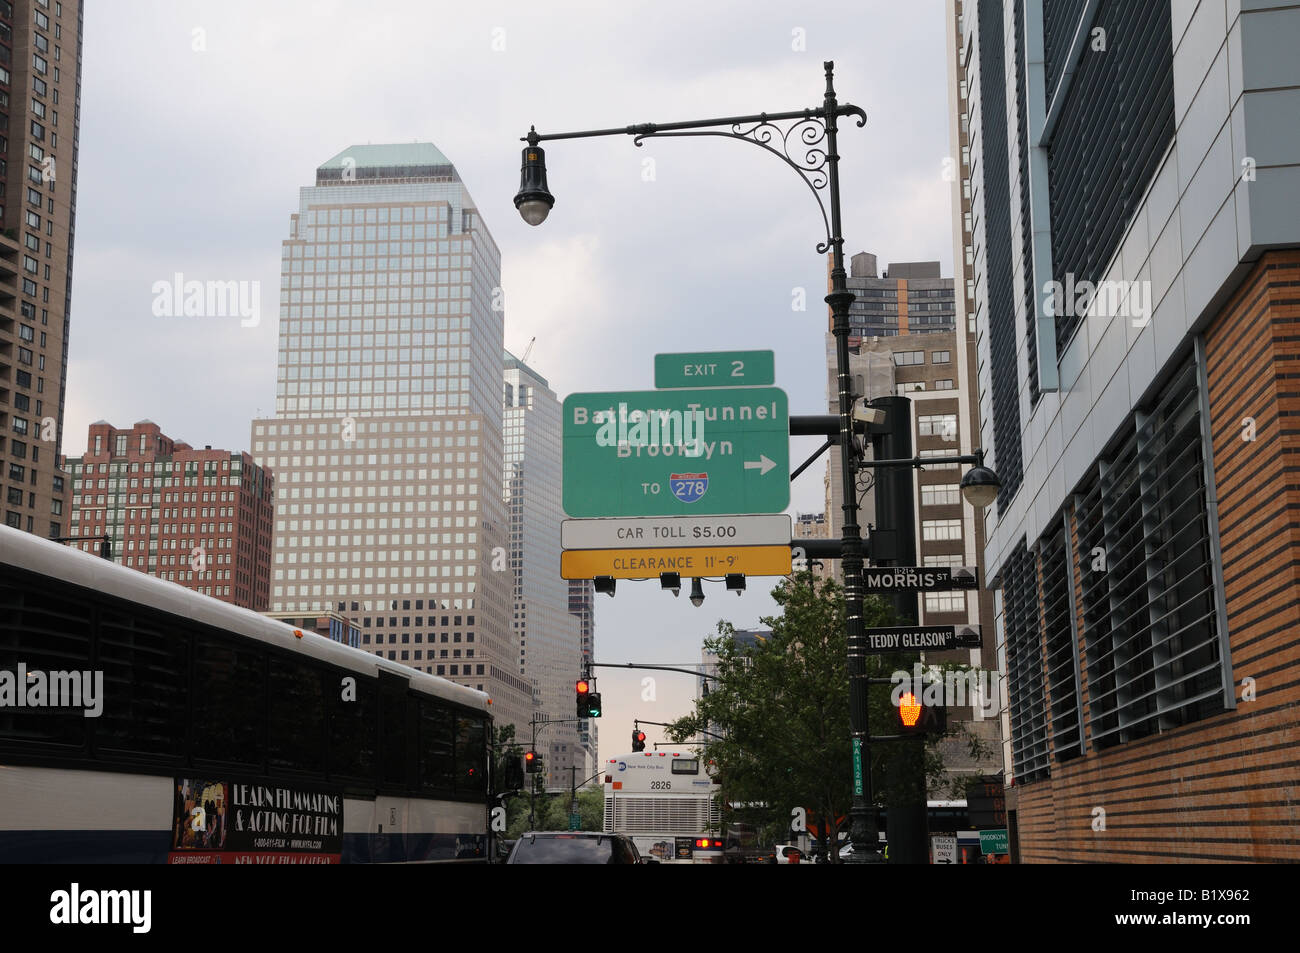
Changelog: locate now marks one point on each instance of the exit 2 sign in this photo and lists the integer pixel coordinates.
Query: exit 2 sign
(715, 369)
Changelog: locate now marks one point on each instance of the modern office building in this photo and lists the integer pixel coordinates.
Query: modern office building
(386, 441)
(197, 517)
(923, 353)
(1135, 214)
(334, 626)
(40, 81)
(582, 606)
(548, 636)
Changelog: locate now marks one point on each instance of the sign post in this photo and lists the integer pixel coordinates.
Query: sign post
(943, 849)
(919, 578)
(918, 638)
(676, 532)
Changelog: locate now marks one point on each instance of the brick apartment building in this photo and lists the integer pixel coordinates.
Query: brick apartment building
(197, 517)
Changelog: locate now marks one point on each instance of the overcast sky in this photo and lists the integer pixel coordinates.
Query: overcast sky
(201, 120)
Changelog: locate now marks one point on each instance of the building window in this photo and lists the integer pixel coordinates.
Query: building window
(908, 358)
(934, 530)
(1029, 750)
(943, 426)
(1150, 607)
(945, 602)
(940, 357)
(942, 494)
(944, 384)
(1061, 644)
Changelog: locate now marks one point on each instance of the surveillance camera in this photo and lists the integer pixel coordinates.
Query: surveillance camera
(866, 413)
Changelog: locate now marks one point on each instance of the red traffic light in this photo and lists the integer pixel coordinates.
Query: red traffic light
(583, 686)
(530, 756)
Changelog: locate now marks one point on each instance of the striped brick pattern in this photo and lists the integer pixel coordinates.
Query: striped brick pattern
(1222, 789)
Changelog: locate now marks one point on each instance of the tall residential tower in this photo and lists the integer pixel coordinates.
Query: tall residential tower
(40, 116)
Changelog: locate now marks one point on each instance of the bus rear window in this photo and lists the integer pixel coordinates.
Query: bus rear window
(686, 766)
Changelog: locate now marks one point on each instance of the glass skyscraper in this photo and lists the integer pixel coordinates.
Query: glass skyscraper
(549, 632)
(387, 442)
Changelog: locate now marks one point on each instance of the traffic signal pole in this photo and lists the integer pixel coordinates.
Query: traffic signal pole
(894, 544)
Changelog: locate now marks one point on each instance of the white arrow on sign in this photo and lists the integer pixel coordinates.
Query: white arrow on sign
(762, 464)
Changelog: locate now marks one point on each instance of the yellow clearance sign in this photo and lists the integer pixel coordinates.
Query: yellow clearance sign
(695, 561)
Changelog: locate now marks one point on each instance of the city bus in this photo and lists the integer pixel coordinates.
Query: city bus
(667, 803)
(142, 722)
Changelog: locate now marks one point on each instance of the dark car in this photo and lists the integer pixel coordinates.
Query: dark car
(573, 847)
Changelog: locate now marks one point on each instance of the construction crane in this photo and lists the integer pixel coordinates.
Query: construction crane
(528, 350)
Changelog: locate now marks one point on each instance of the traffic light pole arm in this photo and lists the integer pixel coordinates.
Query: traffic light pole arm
(660, 668)
(976, 458)
(105, 545)
(637, 722)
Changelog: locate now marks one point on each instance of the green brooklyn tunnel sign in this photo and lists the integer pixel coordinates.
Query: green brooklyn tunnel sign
(677, 452)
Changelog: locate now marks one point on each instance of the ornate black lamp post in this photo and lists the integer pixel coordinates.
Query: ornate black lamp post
(808, 144)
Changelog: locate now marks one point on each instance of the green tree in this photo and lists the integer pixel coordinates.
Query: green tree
(505, 747)
(591, 808)
(781, 710)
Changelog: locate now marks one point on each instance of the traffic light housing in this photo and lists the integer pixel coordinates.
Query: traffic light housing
(588, 701)
(638, 740)
(913, 717)
(532, 763)
(512, 773)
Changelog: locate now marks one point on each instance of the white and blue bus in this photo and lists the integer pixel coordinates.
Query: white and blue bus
(141, 722)
(667, 802)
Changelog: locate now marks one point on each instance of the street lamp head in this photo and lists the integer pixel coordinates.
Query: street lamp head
(534, 199)
(697, 592)
(980, 486)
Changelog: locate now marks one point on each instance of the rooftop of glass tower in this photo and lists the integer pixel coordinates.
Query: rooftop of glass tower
(401, 160)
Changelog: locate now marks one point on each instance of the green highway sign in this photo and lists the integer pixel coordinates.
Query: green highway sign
(994, 842)
(677, 452)
(715, 369)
